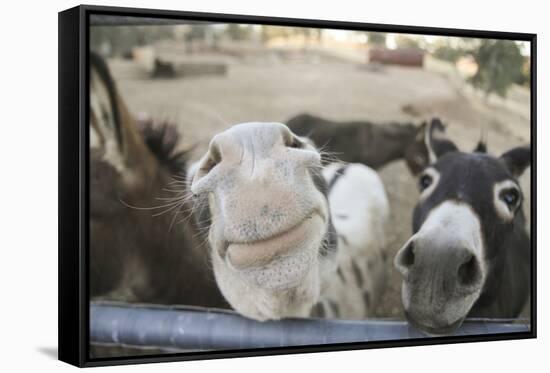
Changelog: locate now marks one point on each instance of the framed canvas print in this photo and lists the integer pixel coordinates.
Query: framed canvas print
(245, 185)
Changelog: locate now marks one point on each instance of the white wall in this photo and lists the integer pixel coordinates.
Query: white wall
(28, 165)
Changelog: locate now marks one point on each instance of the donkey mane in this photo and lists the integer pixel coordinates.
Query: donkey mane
(162, 139)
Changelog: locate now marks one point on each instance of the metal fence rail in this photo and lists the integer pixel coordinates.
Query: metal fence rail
(206, 329)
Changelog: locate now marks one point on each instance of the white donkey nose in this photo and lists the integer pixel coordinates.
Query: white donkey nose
(452, 265)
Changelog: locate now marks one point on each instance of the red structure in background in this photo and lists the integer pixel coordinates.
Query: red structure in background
(401, 56)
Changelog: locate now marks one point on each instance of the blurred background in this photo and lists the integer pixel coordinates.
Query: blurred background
(206, 77)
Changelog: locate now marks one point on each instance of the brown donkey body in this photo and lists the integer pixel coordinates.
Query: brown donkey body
(142, 246)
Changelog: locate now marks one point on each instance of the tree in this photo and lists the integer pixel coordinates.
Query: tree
(500, 64)
(447, 52)
(238, 32)
(271, 32)
(525, 78)
(377, 38)
(406, 41)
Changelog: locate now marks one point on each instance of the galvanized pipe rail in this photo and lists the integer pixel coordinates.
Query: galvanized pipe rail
(195, 328)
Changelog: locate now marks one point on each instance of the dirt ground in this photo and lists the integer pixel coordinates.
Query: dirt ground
(275, 90)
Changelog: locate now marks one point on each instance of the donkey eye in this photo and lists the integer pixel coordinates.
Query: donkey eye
(510, 197)
(425, 181)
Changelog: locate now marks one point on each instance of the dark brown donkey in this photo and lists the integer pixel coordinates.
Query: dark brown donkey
(365, 142)
(470, 252)
(140, 251)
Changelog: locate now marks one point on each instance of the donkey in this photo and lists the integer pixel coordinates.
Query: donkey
(365, 142)
(134, 255)
(289, 238)
(470, 251)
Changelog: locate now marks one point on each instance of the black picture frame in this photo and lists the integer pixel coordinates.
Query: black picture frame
(73, 75)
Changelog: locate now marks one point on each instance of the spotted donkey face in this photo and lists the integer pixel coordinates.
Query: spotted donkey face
(467, 225)
(263, 199)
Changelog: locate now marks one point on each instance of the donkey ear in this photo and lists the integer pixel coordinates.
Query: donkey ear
(113, 129)
(481, 147)
(105, 113)
(517, 159)
(430, 143)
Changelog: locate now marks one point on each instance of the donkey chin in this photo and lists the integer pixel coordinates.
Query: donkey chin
(273, 277)
(436, 315)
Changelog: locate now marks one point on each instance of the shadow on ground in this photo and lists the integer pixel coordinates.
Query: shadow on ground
(50, 352)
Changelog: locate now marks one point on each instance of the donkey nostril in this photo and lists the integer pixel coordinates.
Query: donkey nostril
(468, 271)
(214, 156)
(215, 152)
(407, 257)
